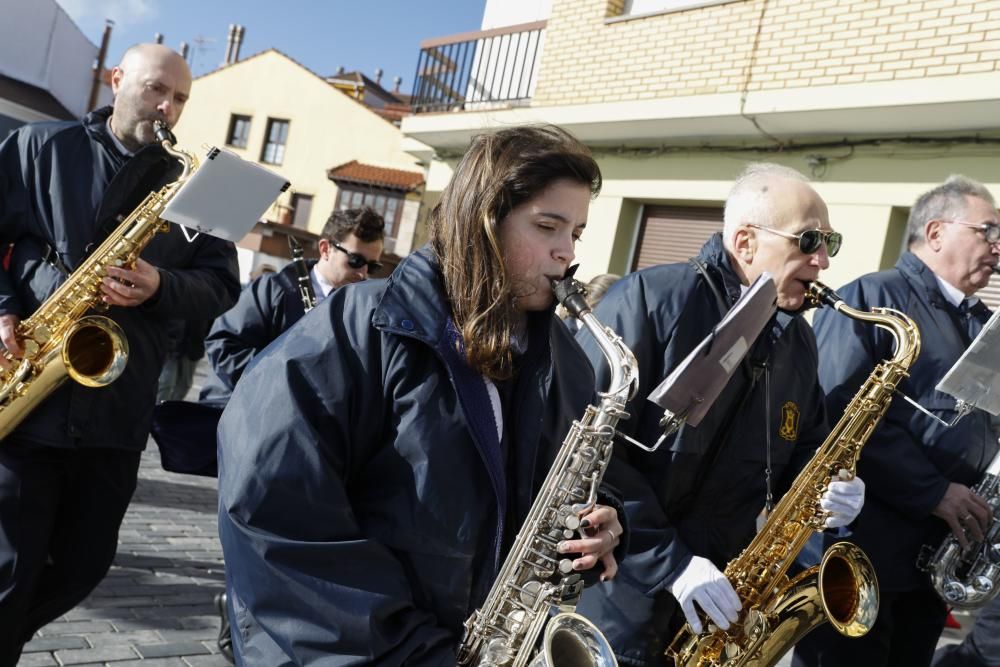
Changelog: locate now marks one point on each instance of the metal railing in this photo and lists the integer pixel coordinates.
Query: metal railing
(478, 70)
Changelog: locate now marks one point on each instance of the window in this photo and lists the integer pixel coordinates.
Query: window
(302, 206)
(634, 7)
(389, 203)
(239, 131)
(274, 144)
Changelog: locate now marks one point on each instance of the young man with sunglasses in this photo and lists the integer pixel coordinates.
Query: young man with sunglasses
(918, 471)
(349, 250)
(692, 505)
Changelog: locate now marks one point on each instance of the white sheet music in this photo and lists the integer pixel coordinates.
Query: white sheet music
(225, 196)
(975, 377)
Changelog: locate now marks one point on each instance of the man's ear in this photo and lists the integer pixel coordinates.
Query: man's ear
(744, 244)
(117, 73)
(324, 248)
(933, 234)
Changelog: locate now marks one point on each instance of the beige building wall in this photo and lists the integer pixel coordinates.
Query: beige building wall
(326, 127)
(867, 197)
(759, 45)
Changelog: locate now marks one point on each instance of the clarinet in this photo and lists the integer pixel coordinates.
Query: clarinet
(304, 280)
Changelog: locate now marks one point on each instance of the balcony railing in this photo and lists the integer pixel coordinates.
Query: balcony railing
(478, 70)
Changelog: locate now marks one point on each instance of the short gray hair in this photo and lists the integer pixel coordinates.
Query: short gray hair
(748, 196)
(945, 202)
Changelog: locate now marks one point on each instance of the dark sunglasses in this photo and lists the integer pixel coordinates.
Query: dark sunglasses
(356, 260)
(810, 240)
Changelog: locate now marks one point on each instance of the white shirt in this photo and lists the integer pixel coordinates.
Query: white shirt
(320, 286)
(954, 295)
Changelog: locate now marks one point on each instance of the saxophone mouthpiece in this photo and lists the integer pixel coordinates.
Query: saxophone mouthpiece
(163, 133)
(819, 295)
(571, 292)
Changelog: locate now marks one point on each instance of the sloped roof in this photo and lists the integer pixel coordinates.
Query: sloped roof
(383, 177)
(287, 57)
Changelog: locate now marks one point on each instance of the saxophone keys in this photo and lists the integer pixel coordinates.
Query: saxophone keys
(42, 334)
(566, 565)
(30, 348)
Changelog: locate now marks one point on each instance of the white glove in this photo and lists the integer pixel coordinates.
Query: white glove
(703, 583)
(843, 500)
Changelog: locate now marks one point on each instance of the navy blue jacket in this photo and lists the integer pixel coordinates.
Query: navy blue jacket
(266, 308)
(365, 505)
(910, 459)
(60, 183)
(701, 492)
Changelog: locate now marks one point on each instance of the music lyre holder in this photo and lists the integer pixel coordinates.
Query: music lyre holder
(974, 380)
(690, 390)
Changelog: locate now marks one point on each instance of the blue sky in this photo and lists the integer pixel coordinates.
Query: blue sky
(321, 34)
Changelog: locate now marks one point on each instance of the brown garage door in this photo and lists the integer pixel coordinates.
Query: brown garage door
(991, 293)
(671, 234)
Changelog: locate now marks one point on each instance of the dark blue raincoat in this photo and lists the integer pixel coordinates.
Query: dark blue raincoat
(910, 459)
(61, 183)
(365, 505)
(267, 307)
(701, 492)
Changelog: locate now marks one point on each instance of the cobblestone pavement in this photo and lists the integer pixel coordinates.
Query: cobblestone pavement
(155, 606)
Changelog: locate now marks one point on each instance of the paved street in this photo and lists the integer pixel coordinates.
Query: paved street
(155, 606)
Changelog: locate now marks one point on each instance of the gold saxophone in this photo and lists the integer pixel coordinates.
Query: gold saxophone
(778, 610)
(59, 339)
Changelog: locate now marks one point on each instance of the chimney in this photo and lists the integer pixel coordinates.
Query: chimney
(158, 38)
(95, 86)
(397, 81)
(229, 44)
(237, 43)
(378, 76)
(340, 70)
(184, 51)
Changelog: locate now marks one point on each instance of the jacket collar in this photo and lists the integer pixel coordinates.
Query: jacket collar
(918, 273)
(414, 302)
(715, 256)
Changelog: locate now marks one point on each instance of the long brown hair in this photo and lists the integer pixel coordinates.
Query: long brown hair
(499, 172)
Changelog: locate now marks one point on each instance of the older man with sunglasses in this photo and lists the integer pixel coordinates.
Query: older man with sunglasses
(919, 471)
(349, 248)
(692, 504)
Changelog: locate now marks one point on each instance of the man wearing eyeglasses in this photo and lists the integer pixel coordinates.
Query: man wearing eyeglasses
(918, 470)
(349, 249)
(693, 503)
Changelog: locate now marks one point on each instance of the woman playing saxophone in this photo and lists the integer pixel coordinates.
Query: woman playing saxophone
(368, 512)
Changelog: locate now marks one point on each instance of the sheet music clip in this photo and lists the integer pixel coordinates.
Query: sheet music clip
(690, 390)
(974, 380)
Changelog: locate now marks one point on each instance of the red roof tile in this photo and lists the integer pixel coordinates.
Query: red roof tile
(393, 179)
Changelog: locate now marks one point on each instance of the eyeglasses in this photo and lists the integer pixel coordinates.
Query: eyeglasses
(810, 240)
(990, 230)
(356, 260)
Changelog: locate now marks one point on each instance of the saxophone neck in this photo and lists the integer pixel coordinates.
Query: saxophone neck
(624, 368)
(902, 328)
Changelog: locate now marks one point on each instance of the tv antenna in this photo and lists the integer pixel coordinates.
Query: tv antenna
(202, 44)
